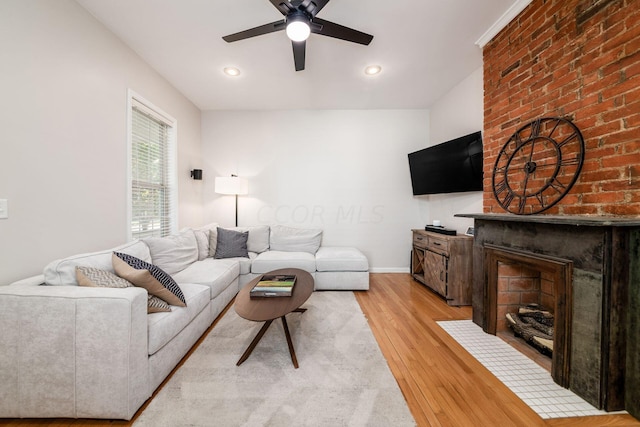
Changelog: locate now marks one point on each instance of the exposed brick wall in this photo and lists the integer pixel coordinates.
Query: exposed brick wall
(578, 59)
(519, 286)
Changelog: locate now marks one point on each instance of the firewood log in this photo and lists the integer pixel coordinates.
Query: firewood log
(547, 330)
(538, 339)
(546, 345)
(541, 316)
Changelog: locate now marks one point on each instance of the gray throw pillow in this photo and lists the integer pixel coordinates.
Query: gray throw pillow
(231, 244)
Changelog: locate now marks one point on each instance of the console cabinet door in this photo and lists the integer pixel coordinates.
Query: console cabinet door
(417, 263)
(435, 272)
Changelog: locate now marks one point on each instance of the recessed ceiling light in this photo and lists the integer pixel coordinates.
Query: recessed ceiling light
(231, 71)
(372, 70)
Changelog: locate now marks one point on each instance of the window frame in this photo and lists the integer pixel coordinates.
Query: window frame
(135, 100)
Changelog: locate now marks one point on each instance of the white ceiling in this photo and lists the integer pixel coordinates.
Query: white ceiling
(425, 47)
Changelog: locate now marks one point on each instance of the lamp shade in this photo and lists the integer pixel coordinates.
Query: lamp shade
(231, 185)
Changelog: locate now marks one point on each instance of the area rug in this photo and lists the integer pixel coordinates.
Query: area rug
(343, 378)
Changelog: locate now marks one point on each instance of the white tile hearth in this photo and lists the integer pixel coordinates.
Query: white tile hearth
(529, 381)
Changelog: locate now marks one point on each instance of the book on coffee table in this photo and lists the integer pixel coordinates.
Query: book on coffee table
(273, 285)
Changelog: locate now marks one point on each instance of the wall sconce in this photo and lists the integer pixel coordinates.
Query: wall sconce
(196, 174)
(232, 186)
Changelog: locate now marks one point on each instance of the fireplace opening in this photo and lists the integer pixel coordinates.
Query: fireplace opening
(525, 312)
(526, 289)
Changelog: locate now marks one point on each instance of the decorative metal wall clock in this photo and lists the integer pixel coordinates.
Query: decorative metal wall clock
(538, 165)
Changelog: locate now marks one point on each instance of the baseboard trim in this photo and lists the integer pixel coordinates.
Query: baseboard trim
(389, 270)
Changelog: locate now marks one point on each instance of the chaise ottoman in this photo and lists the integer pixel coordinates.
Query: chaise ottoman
(341, 268)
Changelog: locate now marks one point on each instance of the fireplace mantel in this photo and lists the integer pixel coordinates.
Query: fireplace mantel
(605, 254)
(577, 220)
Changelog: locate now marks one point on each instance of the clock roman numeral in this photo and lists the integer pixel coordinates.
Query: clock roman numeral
(540, 199)
(535, 128)
(554, 128)
(500, 186)
(507, 199)
(570, 161)
(522, 204)
(557, 185)
(567, 139)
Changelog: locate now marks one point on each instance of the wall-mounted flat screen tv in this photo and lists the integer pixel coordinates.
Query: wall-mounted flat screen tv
(451, 167)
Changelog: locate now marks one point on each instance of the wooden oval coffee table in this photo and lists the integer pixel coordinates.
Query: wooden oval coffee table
(269, 309)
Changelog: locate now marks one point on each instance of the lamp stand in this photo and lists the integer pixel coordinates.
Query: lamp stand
(232, 186)
(236, 210)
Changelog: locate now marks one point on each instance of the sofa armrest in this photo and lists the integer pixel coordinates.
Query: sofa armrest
(69, 351)
(30, 281)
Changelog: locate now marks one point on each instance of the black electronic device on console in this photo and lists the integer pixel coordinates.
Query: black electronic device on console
(440, 230)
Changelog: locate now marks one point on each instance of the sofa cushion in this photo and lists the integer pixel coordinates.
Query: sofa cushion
(173, 253)
(245, 263)
(258, 240)
(217, 274)
(63, 271)
(289, 239)
(231, 244)
(333, 258)
(341, 280)
(94, 277)
(163, 327)
(273, 260)
(148, 276)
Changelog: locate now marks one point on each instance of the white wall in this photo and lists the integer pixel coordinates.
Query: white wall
(63, 155)
(343, 171)
(458, 113)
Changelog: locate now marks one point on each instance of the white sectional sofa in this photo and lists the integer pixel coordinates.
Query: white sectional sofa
(95, 352)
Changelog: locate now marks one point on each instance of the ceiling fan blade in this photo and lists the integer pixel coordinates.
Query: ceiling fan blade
(299, 49)
(283, 6)
(257, 31)
(338, 31)
(312, 7)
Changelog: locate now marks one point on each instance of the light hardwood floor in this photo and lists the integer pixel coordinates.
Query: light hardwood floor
(442, 383)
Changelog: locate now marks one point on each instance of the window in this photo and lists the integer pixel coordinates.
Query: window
(152, 183)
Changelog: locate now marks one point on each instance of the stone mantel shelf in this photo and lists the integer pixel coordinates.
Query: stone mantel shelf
(577, 220)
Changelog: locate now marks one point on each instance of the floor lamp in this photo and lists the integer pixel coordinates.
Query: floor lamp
(232, 185)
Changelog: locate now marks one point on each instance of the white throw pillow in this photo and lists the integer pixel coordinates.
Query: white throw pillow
(213, 242)
(289, 239)
(202, 238)
(173, 253)
(62, 272)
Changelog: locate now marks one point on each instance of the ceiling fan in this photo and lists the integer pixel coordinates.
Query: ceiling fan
(299, 21)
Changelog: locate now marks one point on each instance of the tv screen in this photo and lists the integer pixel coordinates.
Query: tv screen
(451, 167)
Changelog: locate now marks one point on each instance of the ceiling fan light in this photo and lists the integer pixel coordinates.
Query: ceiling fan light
(372, 70)
(298, 31)
(231, 71)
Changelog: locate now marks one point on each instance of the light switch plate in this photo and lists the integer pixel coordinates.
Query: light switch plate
(4, 209)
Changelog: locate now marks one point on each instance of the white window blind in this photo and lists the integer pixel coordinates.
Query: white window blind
(153, 190)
